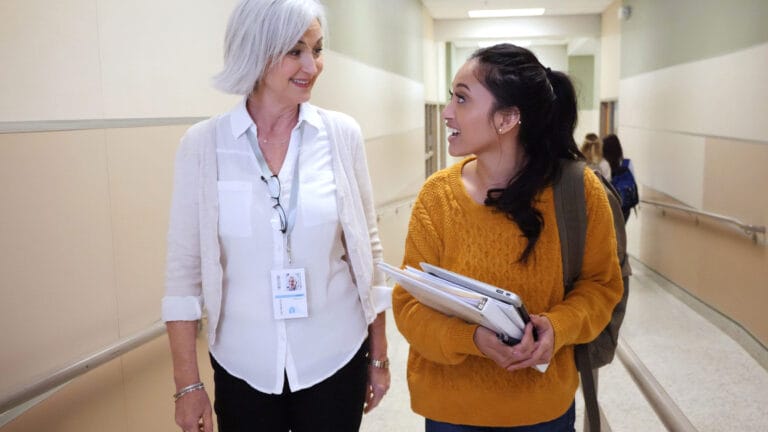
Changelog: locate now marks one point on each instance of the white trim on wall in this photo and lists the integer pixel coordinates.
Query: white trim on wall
(725, 96)
(669, 162)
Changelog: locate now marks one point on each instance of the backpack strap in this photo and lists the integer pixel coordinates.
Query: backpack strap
(571, 215)
(588, 387)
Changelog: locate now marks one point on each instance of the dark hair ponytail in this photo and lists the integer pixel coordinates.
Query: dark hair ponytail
(612, 151)
(546, 100)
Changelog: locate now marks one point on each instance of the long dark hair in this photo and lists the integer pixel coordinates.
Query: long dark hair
(546, 100)
(612, 152)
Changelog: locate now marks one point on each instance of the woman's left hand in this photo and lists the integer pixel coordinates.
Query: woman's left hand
(378, 384)
(530, 353)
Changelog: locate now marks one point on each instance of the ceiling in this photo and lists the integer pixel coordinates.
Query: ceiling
(573, 23)
(457, 9)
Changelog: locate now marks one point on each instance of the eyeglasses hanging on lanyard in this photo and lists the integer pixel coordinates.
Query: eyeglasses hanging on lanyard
(286, 219)
(273, 185)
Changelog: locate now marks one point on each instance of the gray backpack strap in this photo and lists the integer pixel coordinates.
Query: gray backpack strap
(571, 214)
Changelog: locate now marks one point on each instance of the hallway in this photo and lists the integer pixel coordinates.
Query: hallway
(714, 381)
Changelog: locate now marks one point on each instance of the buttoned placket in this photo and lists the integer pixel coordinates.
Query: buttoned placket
(279, 252)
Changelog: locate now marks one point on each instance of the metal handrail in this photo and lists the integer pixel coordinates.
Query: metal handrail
(393, 206)
(70, 372)
(668, 412)
(750, 230)
(664, 406)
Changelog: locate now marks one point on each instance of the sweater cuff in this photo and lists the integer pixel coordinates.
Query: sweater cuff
(465, 340)
(557, 328)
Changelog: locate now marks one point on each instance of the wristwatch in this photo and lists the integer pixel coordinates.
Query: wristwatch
(380, 364)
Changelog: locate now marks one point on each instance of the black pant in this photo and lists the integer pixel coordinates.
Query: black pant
(333, 405)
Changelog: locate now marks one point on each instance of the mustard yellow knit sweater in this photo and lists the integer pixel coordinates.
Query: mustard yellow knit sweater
(450, 380)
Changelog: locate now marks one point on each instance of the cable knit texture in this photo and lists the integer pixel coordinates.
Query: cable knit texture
(449, 378)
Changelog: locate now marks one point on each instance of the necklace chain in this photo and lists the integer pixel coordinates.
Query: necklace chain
(263, 141)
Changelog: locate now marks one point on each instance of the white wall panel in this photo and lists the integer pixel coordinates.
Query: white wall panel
(384, 103)
(432, 92)
(610, 53)
(725, 96)
(668, 162)
(589, 122)
(158, 57)
(554, 57)
(50, 60)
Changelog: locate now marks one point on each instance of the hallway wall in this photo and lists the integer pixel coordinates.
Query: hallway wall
(691, 117)
(96, 94)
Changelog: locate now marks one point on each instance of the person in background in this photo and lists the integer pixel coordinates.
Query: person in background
(613, 153)
(592, 149)
(275, 186)
(622, 174)
(492, 217)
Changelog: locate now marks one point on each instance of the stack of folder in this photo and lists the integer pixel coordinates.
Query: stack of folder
(460, 296)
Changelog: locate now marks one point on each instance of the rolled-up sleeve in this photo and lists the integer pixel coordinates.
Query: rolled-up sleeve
(381, 294)
(183, 278)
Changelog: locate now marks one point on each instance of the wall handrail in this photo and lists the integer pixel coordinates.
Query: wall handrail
(750, 230)
(394, 206)
(664, 406)
(68, 373)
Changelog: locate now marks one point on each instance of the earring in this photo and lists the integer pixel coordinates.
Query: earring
(499, 130)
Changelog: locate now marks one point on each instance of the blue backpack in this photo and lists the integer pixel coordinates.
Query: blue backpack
(624, 183)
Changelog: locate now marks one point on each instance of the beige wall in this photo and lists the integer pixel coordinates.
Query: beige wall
(83, 227)
(697, 136)
(128, 394)
(85, 210)
(86, 59)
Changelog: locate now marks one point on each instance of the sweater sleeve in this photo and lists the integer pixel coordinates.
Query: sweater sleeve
(183, 280)
(587, 308)
(436, 336)
(380, 292)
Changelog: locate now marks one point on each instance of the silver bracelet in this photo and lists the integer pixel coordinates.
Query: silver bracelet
(379, 364)
(188, 389)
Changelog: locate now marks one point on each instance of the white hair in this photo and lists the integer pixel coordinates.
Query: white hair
(260, 32)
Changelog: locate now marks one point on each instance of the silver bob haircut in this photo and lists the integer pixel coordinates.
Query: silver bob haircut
(260, 32)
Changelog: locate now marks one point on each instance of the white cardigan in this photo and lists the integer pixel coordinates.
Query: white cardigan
(193, 268)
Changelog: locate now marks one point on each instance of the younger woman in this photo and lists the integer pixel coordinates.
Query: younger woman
(492, 217)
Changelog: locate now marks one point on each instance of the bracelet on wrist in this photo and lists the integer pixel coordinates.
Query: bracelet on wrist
(188, 389)
(379, 364)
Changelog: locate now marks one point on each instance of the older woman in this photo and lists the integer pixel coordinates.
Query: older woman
(273, 231)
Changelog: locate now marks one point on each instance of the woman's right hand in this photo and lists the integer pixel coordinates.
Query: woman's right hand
(493, 348)
(509, 357)
(193, 412)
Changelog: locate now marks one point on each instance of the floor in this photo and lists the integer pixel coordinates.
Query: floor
(713, 380)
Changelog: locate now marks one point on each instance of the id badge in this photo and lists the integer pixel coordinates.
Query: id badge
(289, 293)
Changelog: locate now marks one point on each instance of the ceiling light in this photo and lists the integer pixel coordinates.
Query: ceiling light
(498, 13)
(520, 43)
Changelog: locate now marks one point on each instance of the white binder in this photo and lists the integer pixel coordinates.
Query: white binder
(456, 300)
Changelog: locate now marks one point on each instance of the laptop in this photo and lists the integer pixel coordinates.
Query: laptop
(502, 295)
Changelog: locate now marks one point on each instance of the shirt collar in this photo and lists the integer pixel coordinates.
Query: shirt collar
(240, 120)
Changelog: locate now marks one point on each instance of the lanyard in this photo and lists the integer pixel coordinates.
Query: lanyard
(266, 172)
